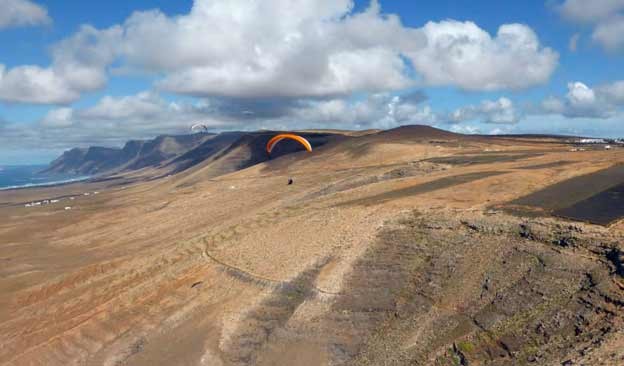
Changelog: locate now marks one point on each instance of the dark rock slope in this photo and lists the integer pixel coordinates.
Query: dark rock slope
(462, 289)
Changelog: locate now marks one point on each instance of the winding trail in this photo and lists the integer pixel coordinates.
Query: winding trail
(251, 277)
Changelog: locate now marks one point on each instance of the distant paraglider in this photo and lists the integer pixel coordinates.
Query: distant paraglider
(199, 128)
(273, 141)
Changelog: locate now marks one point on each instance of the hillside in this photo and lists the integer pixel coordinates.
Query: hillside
(411, 246)
(225, 153)
(173, 154)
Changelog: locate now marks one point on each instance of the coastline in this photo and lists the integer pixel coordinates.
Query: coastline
(46, 184)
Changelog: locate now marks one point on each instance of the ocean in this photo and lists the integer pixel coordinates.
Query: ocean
(22, 176)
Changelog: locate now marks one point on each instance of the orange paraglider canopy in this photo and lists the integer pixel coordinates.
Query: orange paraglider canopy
(273, 141)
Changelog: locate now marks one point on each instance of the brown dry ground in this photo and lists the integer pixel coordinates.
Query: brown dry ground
(387, 253)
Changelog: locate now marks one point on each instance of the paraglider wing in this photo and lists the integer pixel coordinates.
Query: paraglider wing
(199, 127)
(273, 141)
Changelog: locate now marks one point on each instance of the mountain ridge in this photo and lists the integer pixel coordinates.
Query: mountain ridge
(231, 150)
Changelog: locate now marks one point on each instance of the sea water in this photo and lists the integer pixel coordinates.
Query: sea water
(23, 176)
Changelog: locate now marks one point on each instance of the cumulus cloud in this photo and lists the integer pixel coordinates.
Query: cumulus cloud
(33, 84)
(613, 92)
(142, 106)
(501, 111)
(273, 48)
(114, 120)
(322, 50)
(144, 114)
(609, 33)
(589, 11)
(465, 129)
(476, 130)
(501, 130)
(582, 101)
(111, 122)
(552, 105)
(461, 53)
(376, 111)
(17, 13)
(606, 16)
(79, 65)
(272, 63)
(283, 49)
(61, 117)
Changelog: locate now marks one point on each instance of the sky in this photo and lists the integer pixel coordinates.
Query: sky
(77, 73)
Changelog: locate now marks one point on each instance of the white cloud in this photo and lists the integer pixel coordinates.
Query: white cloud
(111, 122)
(284, 49)
(61, 117)
(461, 53)
(501, 111)
(465, 129)
(589, 11)
(143, 114)
(609, 33)
(558, 124)
(580, 94)
(376, 111)
(33, 84)
(605, 15)
(613, 92)
(22, 13)
(79, 65)
(144, 105)
(336, 57)
(274, 48)
(499, 131)
(114, 120)
(582, 101)
(552, 105)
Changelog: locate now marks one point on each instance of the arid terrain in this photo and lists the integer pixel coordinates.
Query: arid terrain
(411, 246)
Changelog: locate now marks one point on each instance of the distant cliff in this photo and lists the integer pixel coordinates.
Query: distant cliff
(135, 154)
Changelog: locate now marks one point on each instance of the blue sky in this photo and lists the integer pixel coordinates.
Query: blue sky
(76, 73)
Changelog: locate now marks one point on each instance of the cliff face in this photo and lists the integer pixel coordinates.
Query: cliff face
(135, 154)
(85, 161)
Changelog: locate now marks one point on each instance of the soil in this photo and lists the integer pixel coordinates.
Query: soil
(377, 255)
